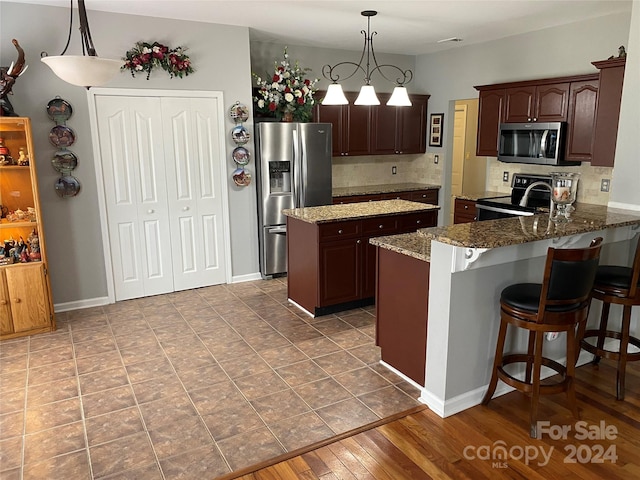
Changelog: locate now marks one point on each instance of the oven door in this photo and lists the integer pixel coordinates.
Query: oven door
(491, 212)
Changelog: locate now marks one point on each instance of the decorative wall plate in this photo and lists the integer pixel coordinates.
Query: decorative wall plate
(241, 177)
(241, 155)
(59, 110)
(67, 186)
(64, 161)
(240, 135)
(62, 136)
(239, 112)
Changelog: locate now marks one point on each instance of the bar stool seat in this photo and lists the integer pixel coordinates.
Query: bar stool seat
(559, 304)
(618, 285)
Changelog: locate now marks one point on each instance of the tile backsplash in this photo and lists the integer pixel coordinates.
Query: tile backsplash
(377, 170)
(588, 185)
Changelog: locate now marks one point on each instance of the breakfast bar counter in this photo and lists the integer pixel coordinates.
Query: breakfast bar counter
(443, 284)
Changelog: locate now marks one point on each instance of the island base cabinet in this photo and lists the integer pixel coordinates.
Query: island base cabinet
(23, 304)
(402, 293)
(340, 271)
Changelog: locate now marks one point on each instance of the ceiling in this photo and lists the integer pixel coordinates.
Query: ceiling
(404, 27)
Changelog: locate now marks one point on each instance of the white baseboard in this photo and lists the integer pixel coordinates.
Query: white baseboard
(77, 305)
(446, 408)
(246, 278)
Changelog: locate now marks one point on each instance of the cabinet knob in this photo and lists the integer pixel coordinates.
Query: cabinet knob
(150, 211)
(185, 209)
(418, 222)
(17, 300)
(466, 207)
(380, 226)
(424, 195)
(528, 119)
(535, 119)
(340, 231)
(358, 241)
(3, 302)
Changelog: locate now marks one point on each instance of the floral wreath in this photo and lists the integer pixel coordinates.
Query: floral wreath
(144, 57)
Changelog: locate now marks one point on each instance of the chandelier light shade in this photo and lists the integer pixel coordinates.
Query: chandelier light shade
(335, 95)
(367, 94)
(86, 70)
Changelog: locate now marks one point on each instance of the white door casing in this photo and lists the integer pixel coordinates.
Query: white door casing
(164, 212)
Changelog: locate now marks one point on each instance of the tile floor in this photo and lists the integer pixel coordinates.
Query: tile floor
(188, 385)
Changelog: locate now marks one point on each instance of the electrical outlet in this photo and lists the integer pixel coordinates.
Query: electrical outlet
(505, 176)
(436, 159)
(604, 185)
(394, 170)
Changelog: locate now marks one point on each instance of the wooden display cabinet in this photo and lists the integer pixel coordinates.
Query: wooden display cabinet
(25, 292)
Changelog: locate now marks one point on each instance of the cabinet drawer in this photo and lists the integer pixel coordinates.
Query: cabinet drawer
(396, 196)
(411, 223)
(355, 199)
(379, 226)
(425, 196)
(464, 211)
(338, 230)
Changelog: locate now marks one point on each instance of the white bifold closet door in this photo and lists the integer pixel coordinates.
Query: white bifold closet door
(160, 165)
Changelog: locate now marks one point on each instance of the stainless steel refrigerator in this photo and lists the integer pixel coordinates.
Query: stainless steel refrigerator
(293, 167)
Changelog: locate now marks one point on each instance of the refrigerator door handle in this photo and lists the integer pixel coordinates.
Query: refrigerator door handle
(297, 165)
(277, 230)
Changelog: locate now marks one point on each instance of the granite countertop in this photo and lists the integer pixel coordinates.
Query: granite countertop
(517, 230)
(507, 231)
(355, 211)
(412, 244)
(476, 195)
(386, 188)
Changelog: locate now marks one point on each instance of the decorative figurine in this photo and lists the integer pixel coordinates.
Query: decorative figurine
(622, 53)
(8, 77)
(34, 246)
(5, 155)
(23, 159)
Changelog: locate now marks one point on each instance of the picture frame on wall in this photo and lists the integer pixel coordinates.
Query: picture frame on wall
(436, 125)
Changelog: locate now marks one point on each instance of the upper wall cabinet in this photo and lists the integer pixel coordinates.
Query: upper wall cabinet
(537, 103)
(376, 130)
(570, 99)
(607, 111)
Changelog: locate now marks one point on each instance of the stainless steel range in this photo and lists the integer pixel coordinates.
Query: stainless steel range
(537, 201)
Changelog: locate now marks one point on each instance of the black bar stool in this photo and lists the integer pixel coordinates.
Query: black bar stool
(559, 304)
(621, 286)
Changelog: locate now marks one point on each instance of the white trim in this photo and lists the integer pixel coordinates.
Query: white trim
(624, 206)
(92, 93)
(80, 304)
(301, 308)
(401, 375)
(472, 398)
(248, 277)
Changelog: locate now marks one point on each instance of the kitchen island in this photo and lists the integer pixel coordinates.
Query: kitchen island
(331, 265)
(438, 290)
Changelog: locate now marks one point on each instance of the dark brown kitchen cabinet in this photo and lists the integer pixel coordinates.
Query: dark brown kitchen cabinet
(537, 103)
(464, 211)
(399, 130)
(423, 196)
(490, 112)
(378, 129)
(581, 119)
(332, 266)
(607, 111)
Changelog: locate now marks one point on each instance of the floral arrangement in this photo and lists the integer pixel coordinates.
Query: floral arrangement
(144, 57)
(287, 94)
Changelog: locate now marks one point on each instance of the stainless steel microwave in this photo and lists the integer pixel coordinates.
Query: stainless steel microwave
(538, 143)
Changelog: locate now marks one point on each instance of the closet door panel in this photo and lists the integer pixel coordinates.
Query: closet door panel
(191, 135)
(130, 131)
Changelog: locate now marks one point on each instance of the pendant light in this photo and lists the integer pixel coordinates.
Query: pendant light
(367, 96)
(86, 70)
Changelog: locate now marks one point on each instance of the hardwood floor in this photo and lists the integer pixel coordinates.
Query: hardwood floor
(423, 445)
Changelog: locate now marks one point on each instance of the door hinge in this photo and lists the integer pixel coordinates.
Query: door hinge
(45, 271)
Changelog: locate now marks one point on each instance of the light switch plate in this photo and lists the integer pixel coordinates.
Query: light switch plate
(394, 170)
(436, 159)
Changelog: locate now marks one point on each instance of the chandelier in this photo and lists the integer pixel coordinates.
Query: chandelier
(367, 96)
(86, 70)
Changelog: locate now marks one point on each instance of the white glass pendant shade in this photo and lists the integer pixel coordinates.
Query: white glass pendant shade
(399, 98)
(335, 96)
(83, 71)
(367, 96)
